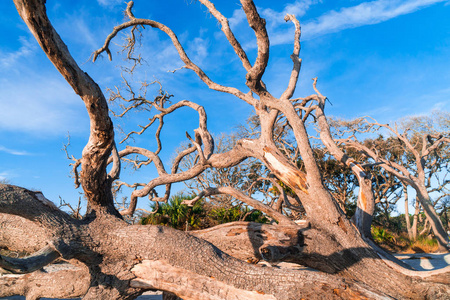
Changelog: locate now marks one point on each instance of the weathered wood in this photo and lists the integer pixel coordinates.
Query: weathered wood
(188, 285)
(29, 263)
(255, 241)
(55, 281)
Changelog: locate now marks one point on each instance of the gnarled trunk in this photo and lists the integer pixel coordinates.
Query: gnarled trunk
(433, 218)
(125, 259)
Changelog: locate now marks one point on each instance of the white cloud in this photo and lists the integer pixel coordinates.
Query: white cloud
(198, 49)
(7, 175)
(12, 151)
(298, 8)
(84, 31)
(363, 14)
(366, 13)
(237, 18)
(110, 2)
(27, 48)
(40, 105)
(439, 98)
(166, 58)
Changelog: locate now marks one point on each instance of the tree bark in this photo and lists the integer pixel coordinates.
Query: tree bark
(416, 219)
(407, 216)
(433, 218)
(111, 264)
(55, 281)
(14, 230)
(366, 202)
(94, 178)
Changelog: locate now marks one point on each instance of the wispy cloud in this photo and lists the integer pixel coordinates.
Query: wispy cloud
(28, 46)
(363, 14)
(419, 106)
(237, 18)
(13, 152)
(110, 2)
(84, 31)
(7, 175)
(298, 8)
(40, 105)
(198, 48)
(3, 175)
(440, 99)
(366, 13)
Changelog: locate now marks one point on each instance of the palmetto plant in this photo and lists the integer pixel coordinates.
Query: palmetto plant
(180, 216)
(175, 214)
(381, 235)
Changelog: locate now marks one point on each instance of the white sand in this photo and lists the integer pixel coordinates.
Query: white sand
(426, 261)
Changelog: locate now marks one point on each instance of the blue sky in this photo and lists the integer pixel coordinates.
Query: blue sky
(386, 59)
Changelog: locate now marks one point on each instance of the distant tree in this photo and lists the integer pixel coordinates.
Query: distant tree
(251, 177)
(414, 153)
(339, 179)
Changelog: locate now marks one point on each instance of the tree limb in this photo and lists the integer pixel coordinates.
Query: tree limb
(282, 220)
(30, 263)
(189, 64)
(287, 94)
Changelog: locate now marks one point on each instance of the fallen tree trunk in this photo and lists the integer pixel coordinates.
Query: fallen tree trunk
(14, 230)
(55, 281)
(254, 241)
(115, 271)
(112, 267)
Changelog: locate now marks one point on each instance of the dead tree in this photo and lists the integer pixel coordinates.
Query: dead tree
(409, 155)
(115, 260)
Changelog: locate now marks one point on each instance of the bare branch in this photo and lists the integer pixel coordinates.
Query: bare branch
(30, 263)
(295, 59)
(76, 163)
(75, 211)
(32, 206)
(101, 138)
(59, 281)
(228, 33)
(221, 160)
(244, 198)
(157, 275)
(115, 171)
(259, 27)
(188, 63)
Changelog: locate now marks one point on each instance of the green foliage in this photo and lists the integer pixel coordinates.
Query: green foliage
(236, 213)
(382, 236)
(176, 215)
(183, 217)
(226, 215)
(395, 224)
(399, 241)
(257, 216)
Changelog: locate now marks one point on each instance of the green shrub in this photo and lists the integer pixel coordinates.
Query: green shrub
(183, 217)
(236, 213)
(175, 214)
(382, 236)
